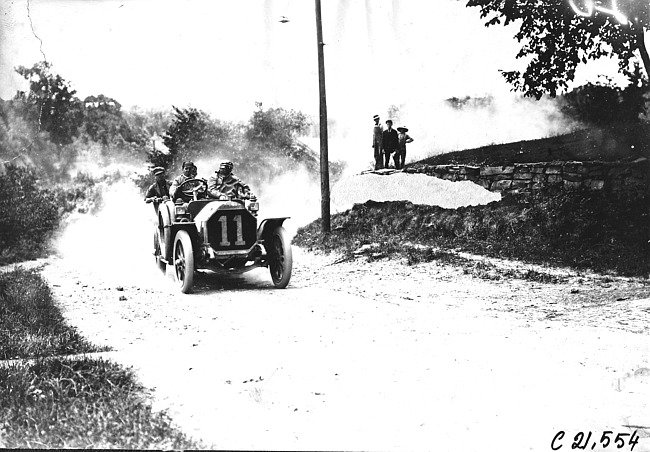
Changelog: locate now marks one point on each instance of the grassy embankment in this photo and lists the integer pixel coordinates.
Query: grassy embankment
(584, 231)
(54, 401)
(599, 231)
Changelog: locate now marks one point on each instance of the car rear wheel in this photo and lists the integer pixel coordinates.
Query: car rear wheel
(184, 261)
(156, 246)
(164, 231)
(280, 258)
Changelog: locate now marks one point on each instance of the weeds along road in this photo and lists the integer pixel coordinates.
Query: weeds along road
(375, 355)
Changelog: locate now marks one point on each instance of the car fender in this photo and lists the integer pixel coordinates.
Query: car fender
(268, 225)
(191, 230)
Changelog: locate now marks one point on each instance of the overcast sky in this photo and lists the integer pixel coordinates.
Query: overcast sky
(223, 56)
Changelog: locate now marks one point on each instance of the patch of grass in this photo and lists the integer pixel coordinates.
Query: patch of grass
(629, 144)
(584, 230)
(58, 402)
(30, 323)
(88, 403)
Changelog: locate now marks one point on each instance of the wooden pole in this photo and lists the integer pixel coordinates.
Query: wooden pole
(324, 162)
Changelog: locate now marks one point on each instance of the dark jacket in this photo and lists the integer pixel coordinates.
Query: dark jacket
(157, 190)
(224, 185)
(389, 140)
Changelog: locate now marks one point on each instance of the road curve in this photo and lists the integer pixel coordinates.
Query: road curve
(373, 355)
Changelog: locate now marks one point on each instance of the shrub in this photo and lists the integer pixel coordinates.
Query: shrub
(29, 216)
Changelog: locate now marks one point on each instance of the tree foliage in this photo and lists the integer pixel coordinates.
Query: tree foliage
(602, 104)
(555, 39)
(52, 102)
(276, 129)
(192, 134)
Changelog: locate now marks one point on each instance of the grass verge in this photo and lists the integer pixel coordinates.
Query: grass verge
(87, 403)
(58, 402)
(31, 325)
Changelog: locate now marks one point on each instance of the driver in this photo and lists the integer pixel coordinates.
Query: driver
(189, 170)
(225, 185)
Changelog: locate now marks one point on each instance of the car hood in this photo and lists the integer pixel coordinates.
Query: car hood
(209, 210)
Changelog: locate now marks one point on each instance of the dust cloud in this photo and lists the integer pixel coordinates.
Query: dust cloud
(437, 127)
(117, 242)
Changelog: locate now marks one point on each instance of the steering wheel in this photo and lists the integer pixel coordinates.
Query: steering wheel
(192, 187)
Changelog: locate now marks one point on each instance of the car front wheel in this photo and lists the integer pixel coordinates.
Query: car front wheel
(280, 258)
(184, 261)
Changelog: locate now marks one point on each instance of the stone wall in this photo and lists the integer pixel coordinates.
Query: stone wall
(530, 177)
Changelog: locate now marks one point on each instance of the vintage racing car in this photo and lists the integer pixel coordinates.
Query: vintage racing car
(220, 236)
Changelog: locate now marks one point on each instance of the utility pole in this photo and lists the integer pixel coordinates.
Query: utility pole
(324, 162)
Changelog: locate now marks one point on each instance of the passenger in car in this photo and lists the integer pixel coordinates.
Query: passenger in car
(159, 190)
(225, 185)
(189, 170)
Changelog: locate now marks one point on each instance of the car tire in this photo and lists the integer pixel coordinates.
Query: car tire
(280, 257)
(164, 231)
(183, 261)
(156, 245)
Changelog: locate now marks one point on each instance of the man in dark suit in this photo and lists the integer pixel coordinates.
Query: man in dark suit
(389, 142)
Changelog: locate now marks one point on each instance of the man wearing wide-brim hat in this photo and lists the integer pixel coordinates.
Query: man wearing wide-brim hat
(158, 191)
(400, 154)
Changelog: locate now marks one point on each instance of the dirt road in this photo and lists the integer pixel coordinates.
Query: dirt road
(376, 356)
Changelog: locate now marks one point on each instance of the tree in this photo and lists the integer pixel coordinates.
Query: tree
(192, 134)
(602, 104)
(52, 102)
(275, 129)
(557, 35)
(103, 119)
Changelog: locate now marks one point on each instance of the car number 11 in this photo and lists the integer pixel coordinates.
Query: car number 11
(224, 231)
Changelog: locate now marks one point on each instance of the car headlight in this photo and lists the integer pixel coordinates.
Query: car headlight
(181, 210)
(253, 206)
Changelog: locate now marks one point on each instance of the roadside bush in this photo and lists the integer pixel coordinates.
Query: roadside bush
(29, 215)
(32, 209)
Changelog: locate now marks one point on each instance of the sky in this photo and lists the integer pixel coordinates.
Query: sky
(224, 56)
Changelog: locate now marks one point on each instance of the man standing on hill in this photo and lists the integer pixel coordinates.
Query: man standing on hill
(402, 139)
(377, 142)
(389, 142)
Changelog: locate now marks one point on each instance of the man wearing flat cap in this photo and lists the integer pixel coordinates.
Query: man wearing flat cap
(225, 185)
(158, 191)
(377, 142)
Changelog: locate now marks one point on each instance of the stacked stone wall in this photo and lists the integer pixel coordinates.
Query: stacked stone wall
(531, 177)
